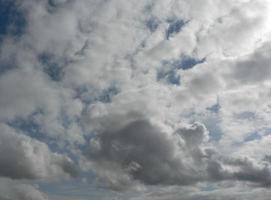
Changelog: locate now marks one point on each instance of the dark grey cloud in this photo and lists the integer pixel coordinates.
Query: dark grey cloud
(143, 152)
(248, 171)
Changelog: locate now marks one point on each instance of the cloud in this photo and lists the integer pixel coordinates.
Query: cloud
(141, 151)
(141, 93)
(21, 97)
(18, 191)
(219, 192)
(132, 149)
(254, 67)
(28, 158)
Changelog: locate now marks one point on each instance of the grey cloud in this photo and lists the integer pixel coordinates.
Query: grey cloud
(22, 157)
(141, 151)
(93, 45)
(11, 190)
(219, 192)
(267, 158)
(193, 136)
(25, 90)
(254, 68)
(249, 172)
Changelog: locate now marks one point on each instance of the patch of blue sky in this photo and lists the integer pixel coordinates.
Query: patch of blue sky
(80, 91)
(12, 19)
(267, 131)
(12, 24)
(171, 76)
(246, 115)
(75, 188)
(215, 108)
(213, 125)
(215, 133)
(187, 62)
(83, 187)
(152, 24)
(257, 135)
(253, 136)
(169, 69)
(29, 125)
(52, 67)
(107, 94)
(211, 120)
(67, 120)
(207, 187)
(175, 26)
(88, 97)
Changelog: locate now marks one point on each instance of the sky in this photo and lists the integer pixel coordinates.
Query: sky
(135, 100)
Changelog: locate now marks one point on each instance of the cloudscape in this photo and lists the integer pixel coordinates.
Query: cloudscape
(135, 99)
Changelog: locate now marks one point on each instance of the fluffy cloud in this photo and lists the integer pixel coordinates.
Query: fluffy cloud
(161, 163)
(253, 68)
(23, 91)
(22, 157)
(142, 151)
(139, 93)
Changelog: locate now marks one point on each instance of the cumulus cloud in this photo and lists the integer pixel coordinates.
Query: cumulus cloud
(22, 157)
(253, 68)
(142, 151)
(139, 93)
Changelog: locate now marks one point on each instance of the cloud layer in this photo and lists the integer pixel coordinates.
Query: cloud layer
(146, 95)
(17, 191)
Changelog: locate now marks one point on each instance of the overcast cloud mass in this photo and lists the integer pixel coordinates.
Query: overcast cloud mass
(135, 100)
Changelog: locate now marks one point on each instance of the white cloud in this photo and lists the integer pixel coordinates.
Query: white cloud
(88, 71)
(23, 157)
